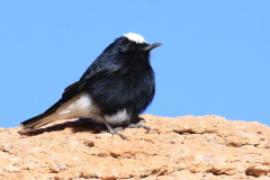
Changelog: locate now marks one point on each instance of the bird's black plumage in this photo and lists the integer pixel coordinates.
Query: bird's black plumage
(121, 78)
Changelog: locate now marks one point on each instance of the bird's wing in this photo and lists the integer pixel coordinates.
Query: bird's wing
(94, 73)
(72, 90)
(99, 70)
(103, 64)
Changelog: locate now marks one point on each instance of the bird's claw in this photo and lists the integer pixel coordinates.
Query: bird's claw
(115, 132)
(138, 125)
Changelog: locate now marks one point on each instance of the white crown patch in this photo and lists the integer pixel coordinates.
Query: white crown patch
(135, 37)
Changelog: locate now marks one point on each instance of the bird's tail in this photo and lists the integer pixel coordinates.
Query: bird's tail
(63, 109)
(41, 120)
(38, 121)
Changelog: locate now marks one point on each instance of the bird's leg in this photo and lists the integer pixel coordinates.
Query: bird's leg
(114, 131)
(136, 123)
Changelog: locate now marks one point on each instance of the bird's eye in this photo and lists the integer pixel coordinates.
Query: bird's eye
(132, 46)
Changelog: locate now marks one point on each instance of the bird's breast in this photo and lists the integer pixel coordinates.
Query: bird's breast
(125, 92)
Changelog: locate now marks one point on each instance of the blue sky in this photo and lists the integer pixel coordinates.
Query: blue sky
(214, 60)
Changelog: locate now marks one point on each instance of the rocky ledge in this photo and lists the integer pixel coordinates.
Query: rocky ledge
(205, 147)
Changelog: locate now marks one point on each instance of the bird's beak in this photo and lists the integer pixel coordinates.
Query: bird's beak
(152, 46)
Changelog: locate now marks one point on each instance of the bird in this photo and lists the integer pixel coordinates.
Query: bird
(113, 91)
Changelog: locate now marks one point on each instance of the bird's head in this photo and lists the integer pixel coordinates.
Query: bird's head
(132, 43)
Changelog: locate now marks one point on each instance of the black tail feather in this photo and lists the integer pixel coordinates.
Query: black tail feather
(30, 123)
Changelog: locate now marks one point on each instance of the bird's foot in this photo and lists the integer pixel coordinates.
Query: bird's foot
(137, 123)
(115, 131)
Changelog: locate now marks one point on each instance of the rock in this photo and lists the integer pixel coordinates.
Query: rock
(205, 147)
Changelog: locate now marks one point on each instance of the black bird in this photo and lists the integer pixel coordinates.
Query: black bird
(114, 90)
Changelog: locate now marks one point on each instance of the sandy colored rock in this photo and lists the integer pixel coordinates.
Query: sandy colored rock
(188, 148)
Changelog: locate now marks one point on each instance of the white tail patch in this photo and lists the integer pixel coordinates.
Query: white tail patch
(135, 37)
(80, 106)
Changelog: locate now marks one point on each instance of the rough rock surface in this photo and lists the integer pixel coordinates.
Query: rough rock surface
(188, 148)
